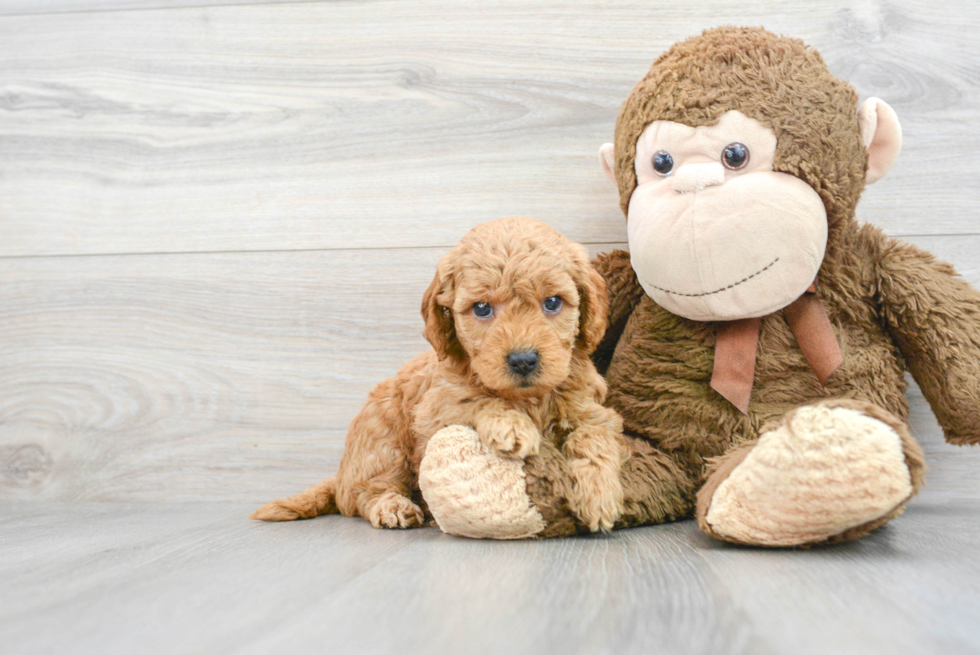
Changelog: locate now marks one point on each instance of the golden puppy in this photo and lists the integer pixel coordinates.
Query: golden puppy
(513, 314)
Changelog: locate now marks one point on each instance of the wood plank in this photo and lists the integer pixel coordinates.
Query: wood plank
(112, 369)
(216, 376)
(34, 7)
(199, 577)
(335, 125)
(106, 557)
(117, 368)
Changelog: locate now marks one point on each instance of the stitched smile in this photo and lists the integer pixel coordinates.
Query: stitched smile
(711, 293)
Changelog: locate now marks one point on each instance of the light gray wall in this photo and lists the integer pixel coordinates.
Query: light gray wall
(217, 222)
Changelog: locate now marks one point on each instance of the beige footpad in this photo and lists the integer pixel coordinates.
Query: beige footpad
(825, 470)
(473, 491)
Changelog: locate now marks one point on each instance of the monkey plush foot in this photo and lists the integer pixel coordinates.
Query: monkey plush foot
(828, 472)
(472, 491)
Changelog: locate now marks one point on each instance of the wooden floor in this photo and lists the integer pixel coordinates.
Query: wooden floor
(217, 220)
(198, 578)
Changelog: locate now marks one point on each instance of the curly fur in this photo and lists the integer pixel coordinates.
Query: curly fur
(513, 264)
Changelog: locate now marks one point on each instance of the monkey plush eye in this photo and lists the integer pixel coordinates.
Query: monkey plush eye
(482, 310)
(663, 163)
(552, 304)
(735, 156)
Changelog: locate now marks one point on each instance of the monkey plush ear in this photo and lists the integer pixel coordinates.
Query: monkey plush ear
(607, 159)
(881, 134)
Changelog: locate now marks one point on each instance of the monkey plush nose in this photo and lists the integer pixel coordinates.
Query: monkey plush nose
(694, 177)
(523, 362)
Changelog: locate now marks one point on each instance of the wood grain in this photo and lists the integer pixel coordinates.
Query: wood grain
(392, 124)
(147, 373)
(198, 577)
(33, 7)
(182, 376)
(213, 376)
(217, 218)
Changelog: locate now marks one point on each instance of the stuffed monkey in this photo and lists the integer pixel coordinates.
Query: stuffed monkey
(758, 334)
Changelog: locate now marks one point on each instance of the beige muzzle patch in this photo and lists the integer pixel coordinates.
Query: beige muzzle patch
(743, 249)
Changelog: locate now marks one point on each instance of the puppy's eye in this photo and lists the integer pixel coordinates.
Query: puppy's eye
(552, 304)
(482, 310)
(663, 163)
(735, 156)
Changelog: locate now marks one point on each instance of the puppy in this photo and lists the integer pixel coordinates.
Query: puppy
(513, 314)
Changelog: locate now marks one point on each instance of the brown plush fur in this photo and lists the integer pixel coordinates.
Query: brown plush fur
(513, 264)
(655, 489)
(892, 305)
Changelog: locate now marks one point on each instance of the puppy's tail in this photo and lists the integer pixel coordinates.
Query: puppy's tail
(318, 499)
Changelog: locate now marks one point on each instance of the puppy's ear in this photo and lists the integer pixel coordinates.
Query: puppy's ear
(440, 328)
(593, 304)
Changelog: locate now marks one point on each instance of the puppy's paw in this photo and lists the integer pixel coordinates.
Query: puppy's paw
(277, 510)
(512, 434)
(597, 494)
(392, 510)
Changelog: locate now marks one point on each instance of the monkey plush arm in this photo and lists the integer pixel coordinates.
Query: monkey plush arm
(624, 292)
(934, 317)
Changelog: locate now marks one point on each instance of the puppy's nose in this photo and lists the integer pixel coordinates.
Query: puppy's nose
(523, 362)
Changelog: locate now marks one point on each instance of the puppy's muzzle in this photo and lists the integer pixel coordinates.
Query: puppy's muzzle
(523, 363)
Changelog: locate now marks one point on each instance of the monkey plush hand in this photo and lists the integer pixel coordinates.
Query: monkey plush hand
(758, 335)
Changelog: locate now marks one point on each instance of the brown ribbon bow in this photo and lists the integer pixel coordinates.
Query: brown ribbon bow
(738, 342)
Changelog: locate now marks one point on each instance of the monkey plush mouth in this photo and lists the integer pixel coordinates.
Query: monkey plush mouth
(710, 293)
